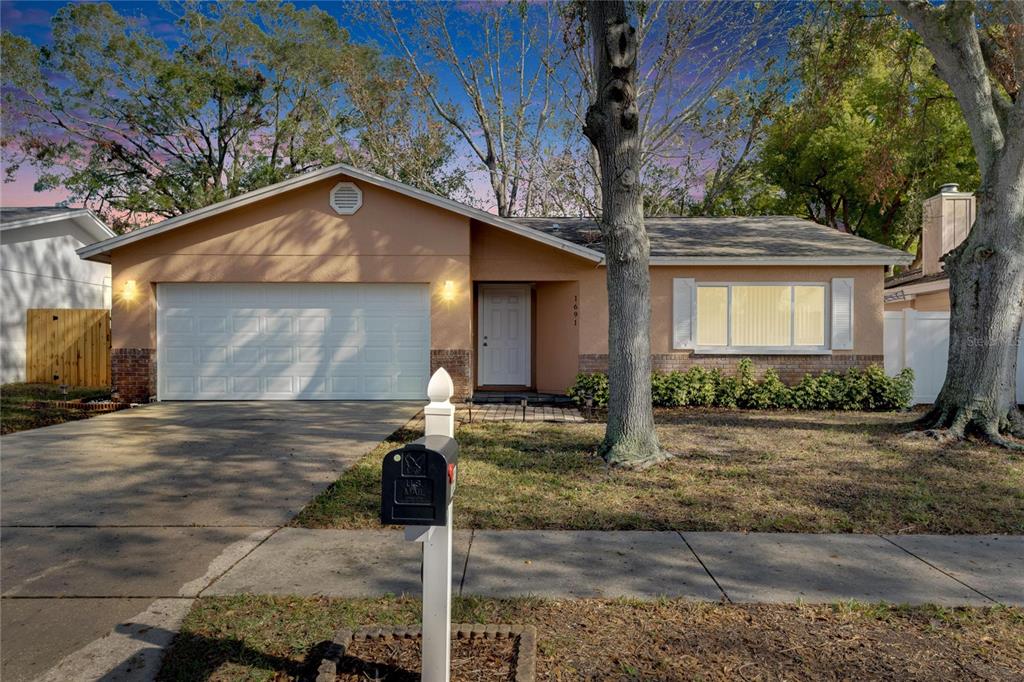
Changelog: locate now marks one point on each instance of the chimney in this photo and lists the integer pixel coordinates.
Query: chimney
(947, 219)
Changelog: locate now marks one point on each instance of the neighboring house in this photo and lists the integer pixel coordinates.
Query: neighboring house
(40, 269)
(924, 287)
(341, 284)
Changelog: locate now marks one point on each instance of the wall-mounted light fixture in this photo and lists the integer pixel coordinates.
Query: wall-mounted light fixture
(129, 290)
(448, 291)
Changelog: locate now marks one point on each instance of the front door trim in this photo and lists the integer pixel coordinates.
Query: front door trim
(526, 337)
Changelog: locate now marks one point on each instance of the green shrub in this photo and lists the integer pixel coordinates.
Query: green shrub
(888, 393)
(869, 389)
(768, 394)
(590, 386)
(702, 385)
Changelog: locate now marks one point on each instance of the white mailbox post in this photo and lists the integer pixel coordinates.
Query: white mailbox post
(439, 418)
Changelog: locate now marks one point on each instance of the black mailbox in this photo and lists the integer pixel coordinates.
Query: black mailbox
(416, 482)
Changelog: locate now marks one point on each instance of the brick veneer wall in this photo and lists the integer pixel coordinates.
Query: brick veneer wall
(133, 373)
(459, 364)
(791, 368)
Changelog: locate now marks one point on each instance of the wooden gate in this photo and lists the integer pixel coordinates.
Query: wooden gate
(68, 346)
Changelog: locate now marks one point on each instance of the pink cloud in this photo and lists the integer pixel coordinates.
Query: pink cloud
(20, 191)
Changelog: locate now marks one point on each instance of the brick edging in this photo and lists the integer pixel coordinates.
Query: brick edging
(526, 636)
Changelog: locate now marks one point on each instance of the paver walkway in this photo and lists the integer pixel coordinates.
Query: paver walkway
(735, 567)
(507, 412)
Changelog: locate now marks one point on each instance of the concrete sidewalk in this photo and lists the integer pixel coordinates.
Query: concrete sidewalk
(734, 567)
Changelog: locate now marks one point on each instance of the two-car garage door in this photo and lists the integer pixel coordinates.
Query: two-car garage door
(292, 341)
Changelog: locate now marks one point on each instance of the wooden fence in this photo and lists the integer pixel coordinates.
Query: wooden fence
(68, 346)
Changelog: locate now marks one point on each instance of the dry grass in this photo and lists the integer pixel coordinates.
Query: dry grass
(816, 472)
(16, 413)
(268, 638)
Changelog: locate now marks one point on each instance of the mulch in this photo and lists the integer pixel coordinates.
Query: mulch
(398, 660)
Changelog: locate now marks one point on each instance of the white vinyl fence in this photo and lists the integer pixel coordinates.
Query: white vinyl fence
(920, 341)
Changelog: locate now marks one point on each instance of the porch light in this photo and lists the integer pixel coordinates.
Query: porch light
(448, 291)
(129, 290)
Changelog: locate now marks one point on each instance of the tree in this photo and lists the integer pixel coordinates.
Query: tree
(872, 130)
(498, 57)
(691, 61)
(612, 126)
(137, 127)
(393, 133)
(979, 52)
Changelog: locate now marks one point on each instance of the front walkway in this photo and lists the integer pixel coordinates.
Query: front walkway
(732, 567)
(507, 412)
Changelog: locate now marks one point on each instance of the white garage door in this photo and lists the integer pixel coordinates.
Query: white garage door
(292, 341)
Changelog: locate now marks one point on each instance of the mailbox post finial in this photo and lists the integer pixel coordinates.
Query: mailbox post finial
(440, 389)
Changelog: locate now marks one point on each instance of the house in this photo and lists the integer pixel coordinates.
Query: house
(40, 269)
(924, 287)
(341, 284)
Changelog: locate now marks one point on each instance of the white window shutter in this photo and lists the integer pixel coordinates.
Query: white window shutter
(346, 198)
(842, 313)
(684, 291)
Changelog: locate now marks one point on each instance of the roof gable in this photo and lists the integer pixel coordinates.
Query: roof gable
(101, 251)
(23, 217)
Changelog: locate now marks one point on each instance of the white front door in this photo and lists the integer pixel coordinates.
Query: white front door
(504, 335)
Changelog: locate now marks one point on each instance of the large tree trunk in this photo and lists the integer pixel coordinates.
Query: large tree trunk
(986, 291)
(986, 272)
(611, 125)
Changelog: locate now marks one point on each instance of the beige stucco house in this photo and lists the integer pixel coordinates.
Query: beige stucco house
(947, 218)
(341, 284)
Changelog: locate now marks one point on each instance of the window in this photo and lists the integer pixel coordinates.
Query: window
(761, 316)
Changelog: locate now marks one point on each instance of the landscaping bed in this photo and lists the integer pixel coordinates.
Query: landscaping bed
(769, 470)
(276, 638)
(30, 406)
(479, 653)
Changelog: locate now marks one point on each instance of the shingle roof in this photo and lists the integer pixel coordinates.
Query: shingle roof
(914, 277)
(742, 238)
(17, 213)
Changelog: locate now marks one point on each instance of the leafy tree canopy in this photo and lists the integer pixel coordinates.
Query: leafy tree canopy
(248, 94)
(872, 130)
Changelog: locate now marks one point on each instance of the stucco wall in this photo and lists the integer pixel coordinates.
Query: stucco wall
(934, 302)
(40, 269)
(556, 334)
(297, 237)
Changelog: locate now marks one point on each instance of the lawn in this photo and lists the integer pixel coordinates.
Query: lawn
(270, 638)
(16, 413)
(815, 472)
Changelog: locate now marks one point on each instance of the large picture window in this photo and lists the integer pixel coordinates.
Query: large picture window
(762, 316)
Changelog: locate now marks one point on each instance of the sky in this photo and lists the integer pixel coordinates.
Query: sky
(31, 19)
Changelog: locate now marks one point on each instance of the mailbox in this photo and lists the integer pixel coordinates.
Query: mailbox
(417, 481)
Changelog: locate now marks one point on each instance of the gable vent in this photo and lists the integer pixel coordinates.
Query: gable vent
(346, 198)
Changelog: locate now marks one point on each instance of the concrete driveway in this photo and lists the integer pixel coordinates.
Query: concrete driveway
(100, 517)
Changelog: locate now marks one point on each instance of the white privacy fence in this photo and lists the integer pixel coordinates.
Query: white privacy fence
(920, 341)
